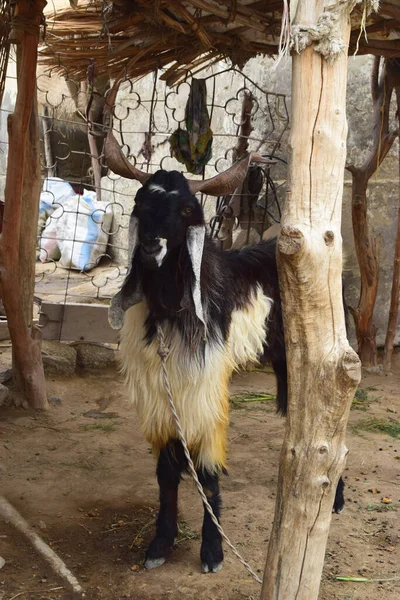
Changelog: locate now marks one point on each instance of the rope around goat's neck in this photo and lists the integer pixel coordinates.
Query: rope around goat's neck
(163, 352)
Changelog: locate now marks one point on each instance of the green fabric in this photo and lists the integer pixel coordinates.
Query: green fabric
(193, 146)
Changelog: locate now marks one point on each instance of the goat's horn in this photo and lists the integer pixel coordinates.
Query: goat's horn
(226, 183)
(118, 163)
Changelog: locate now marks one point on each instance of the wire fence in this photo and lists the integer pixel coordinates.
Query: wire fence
(85, 209)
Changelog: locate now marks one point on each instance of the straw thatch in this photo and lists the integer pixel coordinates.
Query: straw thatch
(130, 38)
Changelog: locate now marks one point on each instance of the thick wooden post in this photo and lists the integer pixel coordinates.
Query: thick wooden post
(323, 370)
(18, 238)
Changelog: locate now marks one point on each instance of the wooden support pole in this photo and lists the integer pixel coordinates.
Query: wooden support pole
(323, 370)
(367, 245)
(18, 238)
(395, 293)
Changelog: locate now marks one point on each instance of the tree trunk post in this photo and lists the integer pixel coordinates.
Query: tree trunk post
(18, 238)
(367, 250)
(395, 293)
(367, 246)
(323, 370)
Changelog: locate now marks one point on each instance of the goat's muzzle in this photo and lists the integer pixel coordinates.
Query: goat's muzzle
(152, 254)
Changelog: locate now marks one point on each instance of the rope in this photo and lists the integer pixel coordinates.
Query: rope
(163, 352)
(25, 23)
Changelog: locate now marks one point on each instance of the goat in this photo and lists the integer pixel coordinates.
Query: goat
(218, 310)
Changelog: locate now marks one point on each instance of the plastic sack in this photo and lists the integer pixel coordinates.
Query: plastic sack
(55, 192)
(83, 230)
(48, 245)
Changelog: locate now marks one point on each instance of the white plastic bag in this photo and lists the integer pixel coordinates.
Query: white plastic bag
(83, 230)
(48, 245)
(55, 192)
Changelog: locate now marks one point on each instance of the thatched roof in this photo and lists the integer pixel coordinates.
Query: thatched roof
(132, 38)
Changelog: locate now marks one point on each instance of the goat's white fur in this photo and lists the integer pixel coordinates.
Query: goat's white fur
(155, 187)
(161, 254)
(200, 391)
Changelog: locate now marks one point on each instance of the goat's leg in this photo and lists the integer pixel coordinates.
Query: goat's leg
(171, 463)
(280, 370)
(211, 553)
(338, 505)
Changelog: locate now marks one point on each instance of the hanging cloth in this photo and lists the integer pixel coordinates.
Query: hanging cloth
(193, 146)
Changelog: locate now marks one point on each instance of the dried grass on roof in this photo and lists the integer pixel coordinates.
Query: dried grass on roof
(131, 38)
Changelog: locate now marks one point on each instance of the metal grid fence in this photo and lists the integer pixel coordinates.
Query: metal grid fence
(145, 115)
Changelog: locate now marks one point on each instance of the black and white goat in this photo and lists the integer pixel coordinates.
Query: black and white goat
(219, 310)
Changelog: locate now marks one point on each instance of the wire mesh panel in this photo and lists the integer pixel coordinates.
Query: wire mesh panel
(85, 209)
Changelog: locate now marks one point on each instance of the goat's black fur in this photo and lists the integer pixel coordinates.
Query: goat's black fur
(165, 209)
(227, 278)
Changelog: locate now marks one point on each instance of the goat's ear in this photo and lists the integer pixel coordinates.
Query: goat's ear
(131, 292)
(195, 244)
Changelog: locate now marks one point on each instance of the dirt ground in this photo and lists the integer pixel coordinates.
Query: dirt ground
(83, 476)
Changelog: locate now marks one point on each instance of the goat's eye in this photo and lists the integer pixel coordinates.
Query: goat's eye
(187, 211)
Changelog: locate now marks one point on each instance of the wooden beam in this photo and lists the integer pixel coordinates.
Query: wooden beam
(76, 322)
(383, 26)
(323, 370)
(375, 46)
(389, 10)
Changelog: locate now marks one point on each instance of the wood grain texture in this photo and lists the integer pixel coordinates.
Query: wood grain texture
(76, 322)
(323, 370)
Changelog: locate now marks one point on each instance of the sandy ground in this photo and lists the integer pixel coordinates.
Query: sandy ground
(88, 487)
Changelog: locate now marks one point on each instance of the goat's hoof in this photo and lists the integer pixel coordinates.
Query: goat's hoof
(213, 568)
(153, 563)
(338, 505)
(211, 556)
(338, 509)
(157, 552)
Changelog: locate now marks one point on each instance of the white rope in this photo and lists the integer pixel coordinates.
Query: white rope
(163, 352)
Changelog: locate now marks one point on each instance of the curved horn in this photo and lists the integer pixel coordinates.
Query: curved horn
(118, 163)
(226, 183)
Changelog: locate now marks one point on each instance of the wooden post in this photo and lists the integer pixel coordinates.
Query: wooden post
(367, 246)
(323, 370)
(395, 293)
(18, 239)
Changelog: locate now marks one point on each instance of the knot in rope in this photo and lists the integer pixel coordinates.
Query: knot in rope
(163, 350)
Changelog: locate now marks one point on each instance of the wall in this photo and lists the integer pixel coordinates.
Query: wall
(383, 189)
(135, 114)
